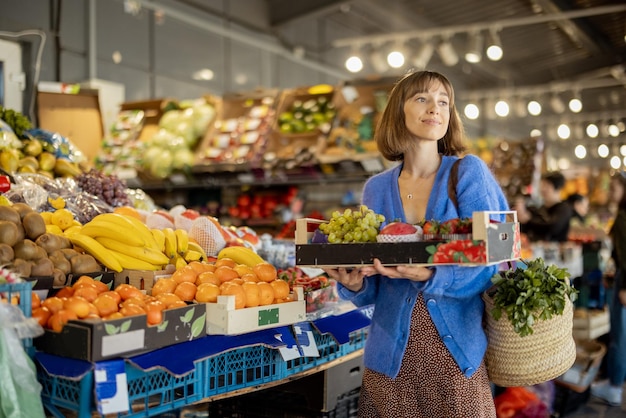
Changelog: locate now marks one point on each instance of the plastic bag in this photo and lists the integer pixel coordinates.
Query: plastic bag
(20, 391)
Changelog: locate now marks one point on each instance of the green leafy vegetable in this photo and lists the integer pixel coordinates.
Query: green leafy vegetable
(16, 120)
(531, 294)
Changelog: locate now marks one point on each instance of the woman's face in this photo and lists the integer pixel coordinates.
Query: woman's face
(427, 114)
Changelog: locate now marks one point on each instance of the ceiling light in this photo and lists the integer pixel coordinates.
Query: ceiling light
(592, 130)
(535, 133)
(563, 131)
(423, 55)
(622, 150)
(580, 151)
(395, 59)
(494, 46)
(354, 64)
(613, 130)
(204, 74)
(447, 53)
(471, 111)
(502, 108)
(603, 150)
(615, 162)
(534, 108)
(475, 48)
(557, 104)
(575, 105)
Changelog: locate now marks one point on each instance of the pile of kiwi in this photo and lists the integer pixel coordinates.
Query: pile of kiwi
(28, 250)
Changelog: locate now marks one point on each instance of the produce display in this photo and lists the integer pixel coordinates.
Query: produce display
(361, 225)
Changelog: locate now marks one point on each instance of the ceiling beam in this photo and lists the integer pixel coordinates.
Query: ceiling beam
(283, 12)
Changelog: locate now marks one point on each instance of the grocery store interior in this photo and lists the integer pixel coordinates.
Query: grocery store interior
(258, 113)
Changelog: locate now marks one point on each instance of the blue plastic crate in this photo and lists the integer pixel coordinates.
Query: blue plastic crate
(328, 349)
(150, 393)
(23, 292)
(240, 368)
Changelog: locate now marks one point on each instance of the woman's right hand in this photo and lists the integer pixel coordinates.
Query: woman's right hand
(350, 279)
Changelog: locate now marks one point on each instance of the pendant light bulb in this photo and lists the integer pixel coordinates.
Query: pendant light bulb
(494, 47)
(474, 51)
(447, 53)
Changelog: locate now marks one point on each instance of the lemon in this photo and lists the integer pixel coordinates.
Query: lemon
(62, 218)
(4, 201)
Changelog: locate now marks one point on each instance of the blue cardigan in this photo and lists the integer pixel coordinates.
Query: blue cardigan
(452, 295)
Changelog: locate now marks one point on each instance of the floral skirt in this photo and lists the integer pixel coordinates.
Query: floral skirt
(429, 384)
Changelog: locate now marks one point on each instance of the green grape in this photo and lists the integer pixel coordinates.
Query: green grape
(360, 225)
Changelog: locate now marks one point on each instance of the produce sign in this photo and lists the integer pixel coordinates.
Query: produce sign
(489, 243)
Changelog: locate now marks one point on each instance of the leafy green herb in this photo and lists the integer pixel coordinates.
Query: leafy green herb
(16, 120)
(531, 294)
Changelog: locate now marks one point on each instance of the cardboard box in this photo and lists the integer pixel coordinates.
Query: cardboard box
(492, 243)
(96, 340)
(589, 354)
(238, 137)
(142, 279)
(75, 116)
(224, 319)
(590, 323)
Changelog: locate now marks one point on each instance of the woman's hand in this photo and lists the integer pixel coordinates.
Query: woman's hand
(350, 279)
(622, 296)
(411, 272)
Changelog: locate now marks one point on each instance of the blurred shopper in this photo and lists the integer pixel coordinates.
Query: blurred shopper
(425, 348)
(611, 390)
(580, 208)
(550, 221)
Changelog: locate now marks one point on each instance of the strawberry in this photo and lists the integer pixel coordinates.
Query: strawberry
(431, 227)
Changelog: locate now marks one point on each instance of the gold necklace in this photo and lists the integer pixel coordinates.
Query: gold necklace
(422, 179)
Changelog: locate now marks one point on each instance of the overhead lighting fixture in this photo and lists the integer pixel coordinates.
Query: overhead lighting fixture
(475, 48)
(447, 53)
(354, 64)
(204, 74)
(575, 104)
(534, 108)
(502, 108)
(494, 46)
(423, 55)
(396, 57)
(592, 130)
(471, 111)
(580, 151)
(557, 104)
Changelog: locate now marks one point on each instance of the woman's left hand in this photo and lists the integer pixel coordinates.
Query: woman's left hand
(622, 296)
(411, 272)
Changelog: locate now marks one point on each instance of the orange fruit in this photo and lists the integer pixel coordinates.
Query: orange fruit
(185, 274)
(253, 295)
(266, 272)
(168, 298)
(78, 305)
(133, 301)
(225, 273)
(154, 312)
(207, 293)
(177, 304)
(164, 285)
(65, 292)
(237, 280)
(126, 291)
(200, 267)
(225, 261)
(57, 320)
(53, 303)
(281, 289)
(100, 286)
(130, 310)
(90, 293)
(208, 277)
(106, 304)
(237, 291)
(242, 269)
(266, 293)
(41, 314)
(35, 301)
(93, 310)
(250, 277)
(84, 280)
(186, 291)
(114, 315)
(128, 211)
(113, 294)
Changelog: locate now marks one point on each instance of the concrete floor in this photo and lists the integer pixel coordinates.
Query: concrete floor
(595, 408)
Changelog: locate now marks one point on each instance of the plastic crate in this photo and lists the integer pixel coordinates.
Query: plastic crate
(150, 393)
(23, 293)
(328, 350)
(241, 368)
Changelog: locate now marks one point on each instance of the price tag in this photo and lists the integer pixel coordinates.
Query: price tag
(111, 386)
(178, 179)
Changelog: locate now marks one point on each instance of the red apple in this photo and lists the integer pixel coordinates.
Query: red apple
(398, 228)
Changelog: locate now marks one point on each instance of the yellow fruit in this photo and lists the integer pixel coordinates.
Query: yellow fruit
(58, 203)
(241, 255)
(47, 217)
(62, 218)
(53, 229)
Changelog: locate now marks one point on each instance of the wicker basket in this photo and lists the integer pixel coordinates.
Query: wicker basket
(544, 355)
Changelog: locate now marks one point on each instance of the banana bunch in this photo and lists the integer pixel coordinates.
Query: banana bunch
(177, 246)
(241, 255)
(120, 242)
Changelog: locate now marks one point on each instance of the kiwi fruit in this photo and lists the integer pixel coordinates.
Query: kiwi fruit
(84, 263)
(22, 208)
(22, 267)
(8, 232)
(34, 225)
(53, 242)
(60, 262)
(69, 253)
(26, 250)
(42, 267)
(6, 253)
(21, 233)
(60, 278)
(7, 213)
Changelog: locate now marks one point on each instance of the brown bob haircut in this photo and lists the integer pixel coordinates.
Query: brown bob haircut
(392, 136)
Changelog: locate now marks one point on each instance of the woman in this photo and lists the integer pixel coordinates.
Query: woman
(424, 353)
(611, 390)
